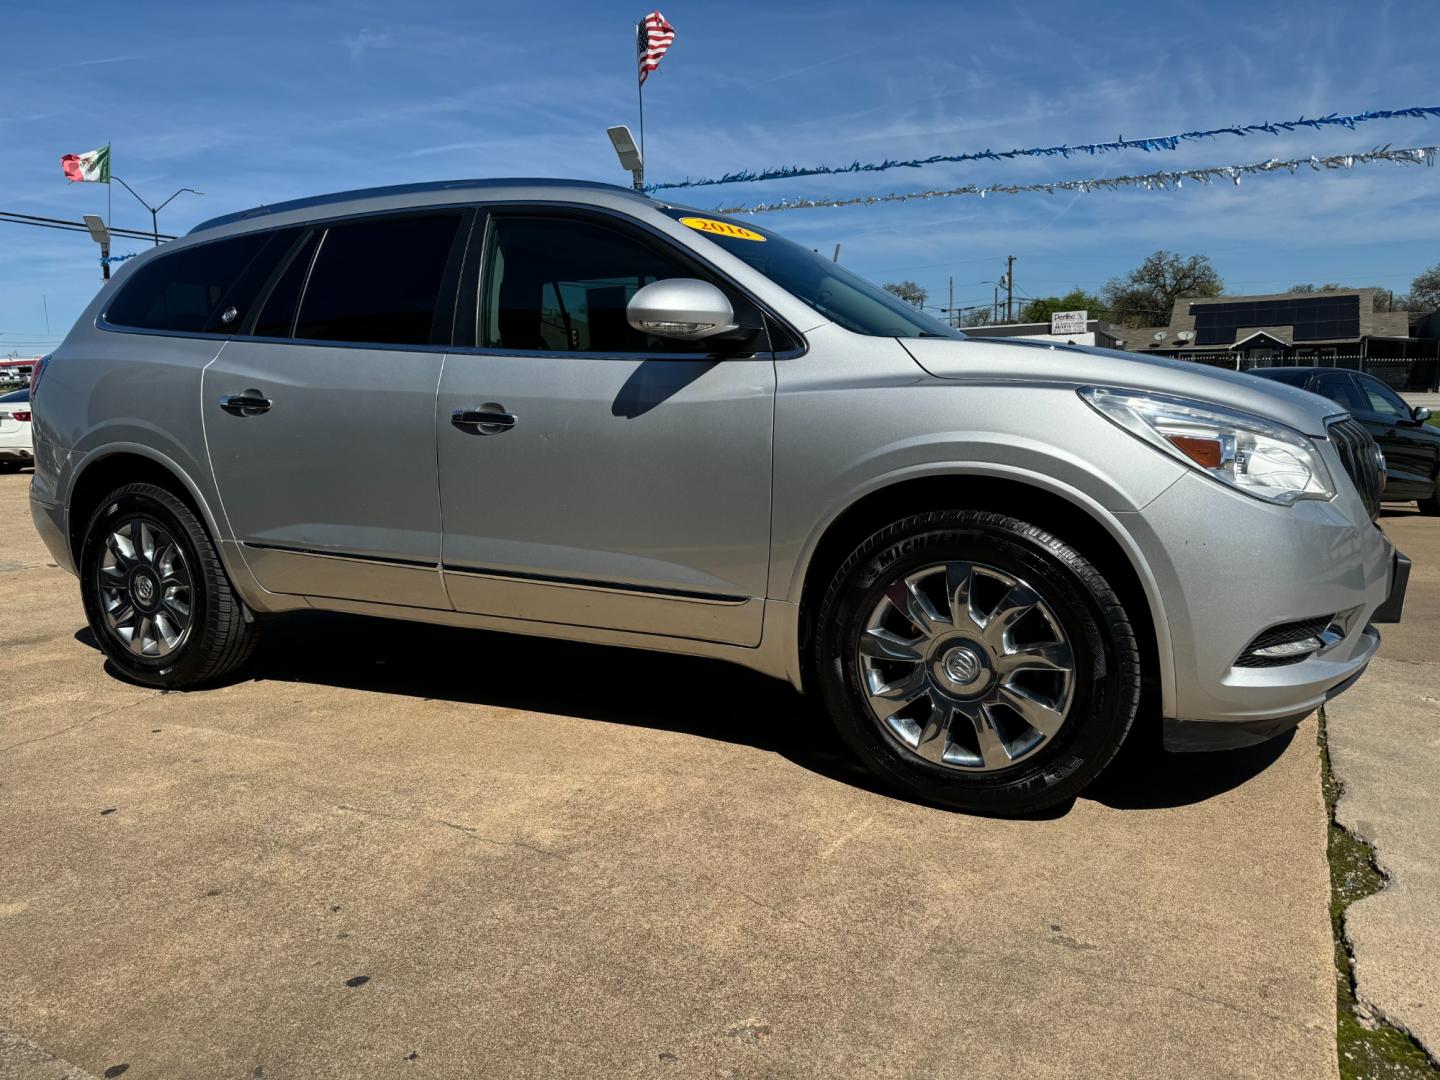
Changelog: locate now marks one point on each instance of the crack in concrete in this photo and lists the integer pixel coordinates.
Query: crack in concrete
(80, 723)
(1370, 1015)
(468, 830)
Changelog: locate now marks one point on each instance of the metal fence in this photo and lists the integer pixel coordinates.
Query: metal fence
(1400, 373)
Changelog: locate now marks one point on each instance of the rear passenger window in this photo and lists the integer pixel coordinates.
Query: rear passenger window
(182, 291)
(378, 281)
(236, 305)
(277, 317)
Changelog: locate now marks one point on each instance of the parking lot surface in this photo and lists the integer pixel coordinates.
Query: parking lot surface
(392, 850)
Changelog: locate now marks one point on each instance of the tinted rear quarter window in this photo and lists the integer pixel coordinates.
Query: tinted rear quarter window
(182, 291)
(378, 281)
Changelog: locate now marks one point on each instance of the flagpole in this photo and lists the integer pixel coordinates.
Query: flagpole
(640, 83)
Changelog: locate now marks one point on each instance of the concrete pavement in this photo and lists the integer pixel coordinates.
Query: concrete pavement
(397, 851)
(1384, 738)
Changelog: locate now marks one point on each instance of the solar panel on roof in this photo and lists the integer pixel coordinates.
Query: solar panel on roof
(1311, 318)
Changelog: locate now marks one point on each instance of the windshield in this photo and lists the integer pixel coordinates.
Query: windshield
(839, 295)
(16, 395)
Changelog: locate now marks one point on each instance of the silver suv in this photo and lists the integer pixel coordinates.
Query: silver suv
(564, 409)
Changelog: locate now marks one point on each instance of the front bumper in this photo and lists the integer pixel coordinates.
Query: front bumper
(1389, 611)
(1183, 736)
(1229, 567)
(1198, 736)
(1188, 736)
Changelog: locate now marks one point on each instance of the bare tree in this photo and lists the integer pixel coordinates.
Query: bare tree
(1147, 294)
(908, 291)
(1425, 290)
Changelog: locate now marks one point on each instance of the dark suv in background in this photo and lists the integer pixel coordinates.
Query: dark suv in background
(1411, 446)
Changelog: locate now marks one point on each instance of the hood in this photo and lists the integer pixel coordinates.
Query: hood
(1011, 360)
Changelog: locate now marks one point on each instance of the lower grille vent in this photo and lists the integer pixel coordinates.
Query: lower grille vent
(1288, 643)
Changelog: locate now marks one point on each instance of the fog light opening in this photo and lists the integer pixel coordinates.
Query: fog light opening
(1288, 648)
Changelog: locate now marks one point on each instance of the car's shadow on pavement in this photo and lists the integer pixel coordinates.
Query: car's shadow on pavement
(705, 698)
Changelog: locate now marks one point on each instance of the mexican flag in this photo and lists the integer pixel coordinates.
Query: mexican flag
(93, 166)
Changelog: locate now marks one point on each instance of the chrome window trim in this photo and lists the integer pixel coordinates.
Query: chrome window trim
(481, 208)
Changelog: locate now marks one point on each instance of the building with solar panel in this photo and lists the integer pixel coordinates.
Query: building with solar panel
(1340, 327)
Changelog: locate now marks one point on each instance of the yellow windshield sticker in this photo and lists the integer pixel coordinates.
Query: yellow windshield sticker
(720, 228)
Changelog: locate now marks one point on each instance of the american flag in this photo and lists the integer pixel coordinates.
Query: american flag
(653, 37)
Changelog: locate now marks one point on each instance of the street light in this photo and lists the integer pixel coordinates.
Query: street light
(629, 154)
(100, 233)
(154, 210)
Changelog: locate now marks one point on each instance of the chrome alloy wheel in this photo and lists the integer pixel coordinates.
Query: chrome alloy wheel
(145, 588)
(965, 666)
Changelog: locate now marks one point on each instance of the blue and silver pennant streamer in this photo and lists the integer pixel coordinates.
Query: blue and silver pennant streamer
(1156, 181)
(1160, 142)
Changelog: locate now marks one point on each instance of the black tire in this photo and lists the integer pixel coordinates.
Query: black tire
(1432, 504)
(1104, 683)
(8, 465)
(221, 634)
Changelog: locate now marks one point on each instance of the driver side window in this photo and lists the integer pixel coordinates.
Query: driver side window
(1340, 388)
(555, 285)
(1380, 399)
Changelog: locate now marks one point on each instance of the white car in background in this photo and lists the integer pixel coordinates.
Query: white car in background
(16, 450)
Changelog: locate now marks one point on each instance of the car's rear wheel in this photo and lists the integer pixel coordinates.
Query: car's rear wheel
(156, 595)
(977, 661)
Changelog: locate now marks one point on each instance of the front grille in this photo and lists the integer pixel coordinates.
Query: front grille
(1283, 634)
(1361, 458)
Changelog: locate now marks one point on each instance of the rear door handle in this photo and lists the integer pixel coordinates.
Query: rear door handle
(249, 403)
(489, 419)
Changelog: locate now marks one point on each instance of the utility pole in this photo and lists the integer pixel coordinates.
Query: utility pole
(836, 258)
(1009, 288)
(995, 306)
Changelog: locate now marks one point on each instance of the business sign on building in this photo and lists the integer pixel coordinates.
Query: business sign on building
(1068, 322)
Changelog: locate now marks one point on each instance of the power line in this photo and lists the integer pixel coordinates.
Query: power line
(63, 225)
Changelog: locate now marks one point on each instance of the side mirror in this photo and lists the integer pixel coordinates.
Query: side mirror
(684, 309)
(1420, 414)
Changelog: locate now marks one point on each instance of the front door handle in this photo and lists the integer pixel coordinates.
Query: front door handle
(249, 403)
(489, 419)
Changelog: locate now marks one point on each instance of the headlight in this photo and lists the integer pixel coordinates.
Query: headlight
(1256, 456)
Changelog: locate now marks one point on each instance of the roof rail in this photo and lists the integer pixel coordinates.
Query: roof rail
(407, 189)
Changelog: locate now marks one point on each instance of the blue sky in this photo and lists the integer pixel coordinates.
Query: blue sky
(267, 101)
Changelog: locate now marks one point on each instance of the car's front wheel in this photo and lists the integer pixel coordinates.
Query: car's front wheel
(977, 661)
(156, 595)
